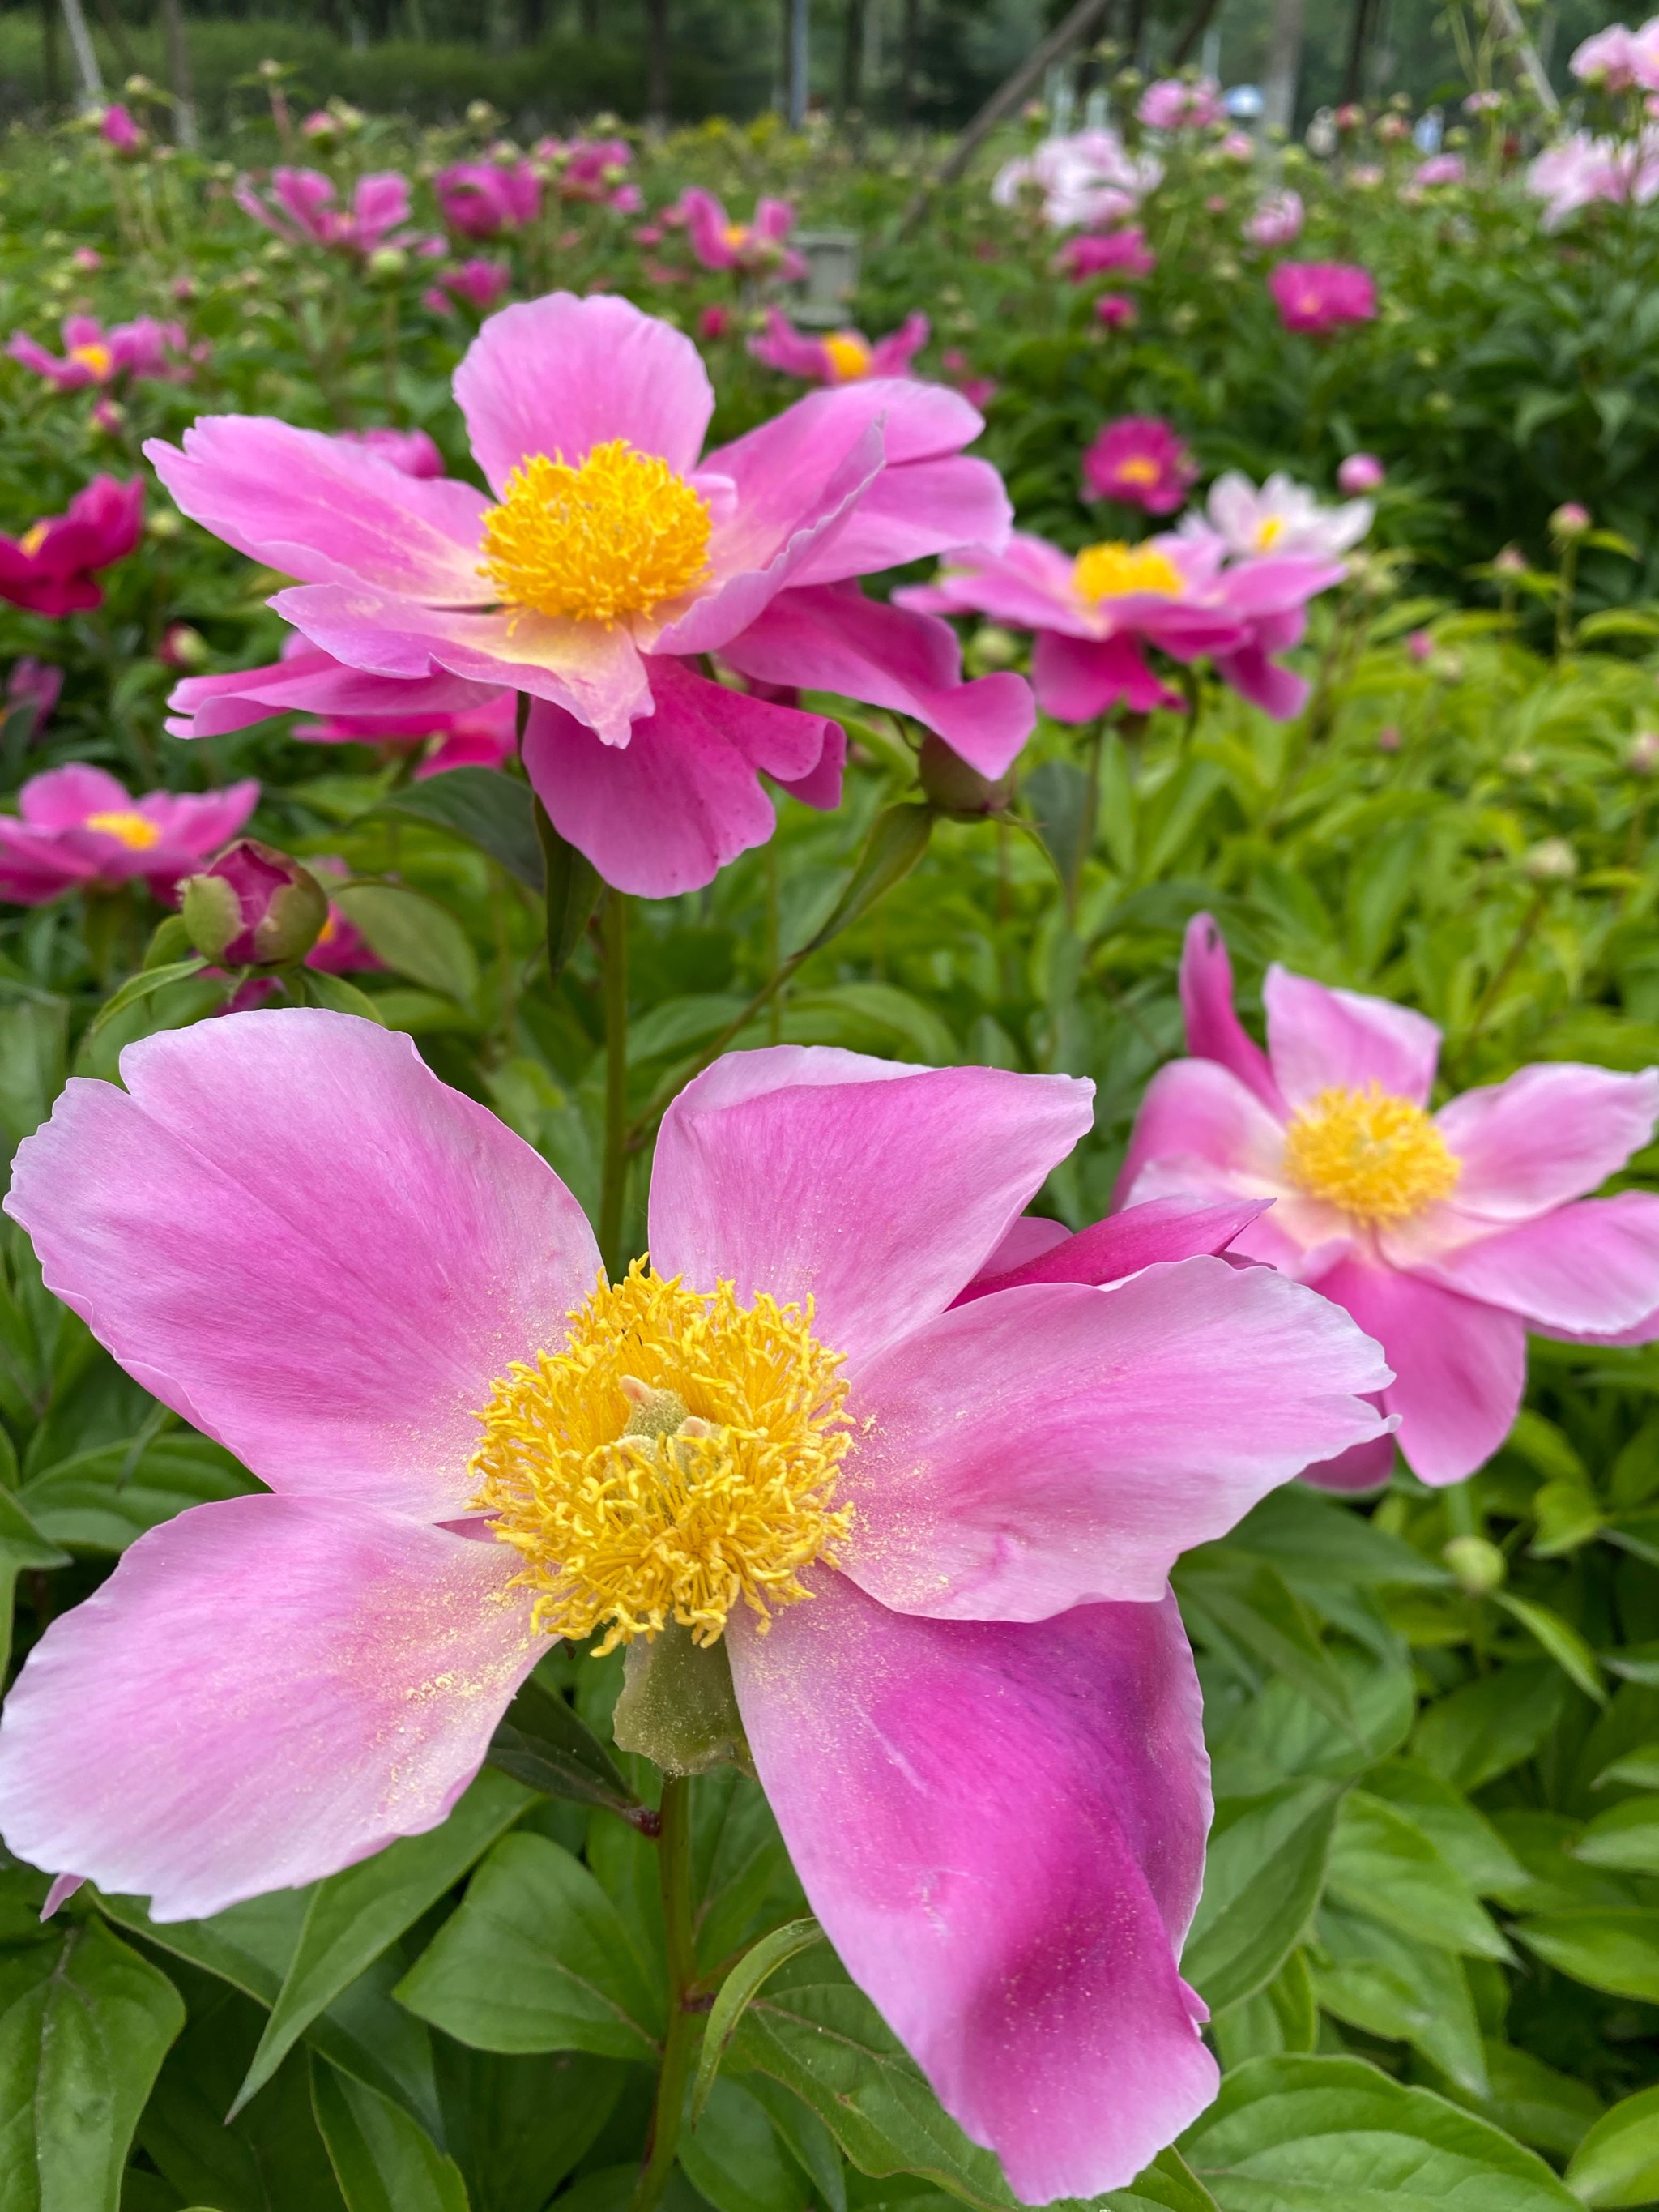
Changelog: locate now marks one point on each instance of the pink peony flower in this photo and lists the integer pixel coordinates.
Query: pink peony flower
(1278, 220)
(1582, 170)
(1439, 169)
(1483, 103)
(597, 581)
(1446, 1236)
(1117, 310)
(1315, 296)
(713, 324)
(960, 374)
(1091, 178)
(1172, 104)
(1119, 253)
(981, 1737)
(1618, 58)
(252, 907)
(49, 569)
(1282, 517)
(78, 829)
(481, 199)
(756, 248)
(87, 258)
(119, 131)
(843, 357)
(299, 208)
(1139, 459)
(592, 169)
(95, 355)
(1238, 146)
(1359, 472)
(35, 684)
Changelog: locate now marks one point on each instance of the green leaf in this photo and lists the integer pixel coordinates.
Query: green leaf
(1312, 1538)
(1487, 1727)
(1618, 2162)
(737, 1991)
(21, 1547)
(494, 813)
(1625, 1836)
(354, 1915)
(1637, 1770)
(516, 2126)
(1259, 1611)
(735, 2160)
(1055, 795)
(1168, 2183)
(1465, 1838)
(1607, 1947)
(1392, 1986)
(537, 1959)
(381, 2160)
(84, 2026)
(545, 1743)
(100, 1500)
(574, 884)
(1335, 2134)
(898, 838)
(338, 995)
(1560, 1640)
(414, 935)
(32, 1064)
(1384, 1864)
(141, 986)
(1262, 1879)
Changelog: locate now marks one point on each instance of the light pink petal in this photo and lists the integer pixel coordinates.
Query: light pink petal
(1591, 1267)
(1460, 1367)
(327, 511)
(1001, 1829)
(560, 375)
(665, 812)
(918, 422)
(1552, 1133)
(311, 683)
(1214, 1029)
(1024, 1240)
(1028, 583)
(63, 798)
(831, 638)
(1077, 678)
(1319, 1039)
(1199, 1114)
(1061, 1444)
(912, 510)
(275, 1688)
(1121, 1244)
(198, 823)
(288, 1229)
(873, 1188)
(1364, 1466)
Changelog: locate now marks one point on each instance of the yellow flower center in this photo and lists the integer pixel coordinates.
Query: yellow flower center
(98, 358)
(849, 355)
(1268, 532)
(135, 831)
(678, 1455)
(617, 536)
(1376, 1156)
(1139, 469)
(33, 539)
(736, 235)
(1106, 572)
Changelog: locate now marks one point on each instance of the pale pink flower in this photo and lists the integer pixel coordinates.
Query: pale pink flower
(1439, 169)
(1318, 296)
(1618, 58)
(1172, 104)
(1278, 220)
(481, 199)
(299, 207)
(1582, 170)
(50, 569)
(1141, 460)
(93, 353)
(1121, 253)
(1447, 1237)
(842, 357)
(1238, 146)
(980, 1736)
(756, 248)
(1282, 517)
(1091, 178)
(87, 258)
(1483, 103)
(78, 829)
(1359, 473)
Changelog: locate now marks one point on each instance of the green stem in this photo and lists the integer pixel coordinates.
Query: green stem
(614, 922)
(679, 2043)
(773, 962)
(1506, 967)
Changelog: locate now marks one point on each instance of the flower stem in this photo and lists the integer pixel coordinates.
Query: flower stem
(679, 2042)
(614, 922)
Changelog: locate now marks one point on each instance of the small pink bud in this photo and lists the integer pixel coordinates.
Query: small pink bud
(1419, 645)
(1643, 757)
(714, 323)
(88, 258)
(1117, 310)
(181, 647)
(1509, 561)
(253, 907)
(1359, 473)
(1570, 519)
(1387, 739)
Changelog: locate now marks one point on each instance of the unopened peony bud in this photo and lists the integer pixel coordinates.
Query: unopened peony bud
(1478, 1566)
(1359, 473)
(386, 264)
(1387, 738)
(1553, 861)
(992, 647)
(1570, 521)
(254, 908)
(181, 647)
(952, 785)
(1509, 561)
(1643, 757)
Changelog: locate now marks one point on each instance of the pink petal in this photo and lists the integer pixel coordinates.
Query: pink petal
(63, 798)
(873, 1188)
(1364, 1466)
(912, 510)
(560, 375)
(1024, 1240)
(198, 822)
(1319, 1039)
(1162, 1229)
(1214, 1029)
(1552, 1133)
(1278, 691)
(665, 812)
(1077, 678)
(1002, 1831)
(1591, 1268)
(1028, 584)
(831, 638)
(275, 1688)
(918, 422)
(1460, 1367)
(1198, 1118)
(1061, 1444)
(325, 511)
(292, 1233)
(311, 683)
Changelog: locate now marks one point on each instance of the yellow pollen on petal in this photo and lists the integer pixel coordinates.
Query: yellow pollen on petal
(850, 355)
(1139, 469)
(677, 1457)
(1376, 1156)
(98, 358)
(1268, 532)
(617, 536)
(135, 831)
(1108, 570)
(736, 235)
(33, 539)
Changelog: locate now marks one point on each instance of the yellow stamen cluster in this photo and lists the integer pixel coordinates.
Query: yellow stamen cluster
(1268, 532)
(678, 1456)
(617, 536)
(135, 831)
(1108, 570)
(1378, 1157)
(98, 358)
(33, 539)
(1139, 469)
(850, 355)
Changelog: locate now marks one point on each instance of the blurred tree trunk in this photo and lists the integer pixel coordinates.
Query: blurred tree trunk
(656, 64)
(1284, 64)
(909, 39)
(852, 58)
(1196, 25)
(85, 60)
(1359, 34)
(178, 65)
(52, 68)
(533, 21)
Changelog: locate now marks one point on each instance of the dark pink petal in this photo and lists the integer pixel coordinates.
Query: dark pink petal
(1278, 691)
(1027, 1238)
(873, 1188)
(1061, 1444)
(1552, 1133)
(1214, 1029)
(820, 787)
(265, 1691)
(1001, 1829)
(1121, 1244)
(1319, 1039)
(288, 1229)
(1076, 679)
(1364, 1466)
(1591, 1268)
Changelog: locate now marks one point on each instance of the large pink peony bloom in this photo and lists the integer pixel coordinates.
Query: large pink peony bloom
(757, 248)
(50, 569)
(300, 208)
(78, 829)
(1088, 178)
(980, 1732)
(1141, 460)
(481, 199)
(842, 358)
(612, 560)
(1618, 58)
(1095, 612)
(95, 355)
(1446, 1238)
(1318, 296)
(1582, 170)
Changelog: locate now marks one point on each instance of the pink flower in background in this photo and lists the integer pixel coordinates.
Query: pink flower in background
(36, 684)
(592, 169)
(961, 375)
(119, 131)
(1359, 472)
(483, 284)
(1282, 517)
(598, 580)
(95, 355)
(78, 829)
(842, 357)
(87, 258)
(50, 569)
(1238, 146)
(1278, 220)
(980, 1738)
(411, 450)
(1582, 170)
(1172, 104)
(1618, 58)
(481, 199)
(299, 207)
(756, 248)
(1117, 310)
(1317, 297)
(1439, 169)
(1121, 254)
(1448, 1236)
(1139, 459)
(1090, 177)
(106, 415)
(713, 324)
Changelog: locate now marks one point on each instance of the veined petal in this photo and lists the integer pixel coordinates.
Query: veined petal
(914, 508)
(1121, 1244)
(1552, 1133)
(1214, 1029)
(1320, 1039)
(276, 1688)
(313, 683)
(1590, 1267)
(1198, 1115)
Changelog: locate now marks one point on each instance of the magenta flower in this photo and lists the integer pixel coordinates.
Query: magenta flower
(980, 1732)
(594, 170)
(94, 354)
(1139, 459)
(756, 248)
(1121, 254)
(50, 569)
(411, 450)
(481, 199)
(843, 357)
(36, 683)
(1359, 473)
(483, 284)
(78, 829)
(611, 559)
(1172, 104)
(1447, 1237)
(120, 132)
(1278, 220)
(1116, 311)
(1316, 296)
(300, 208)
